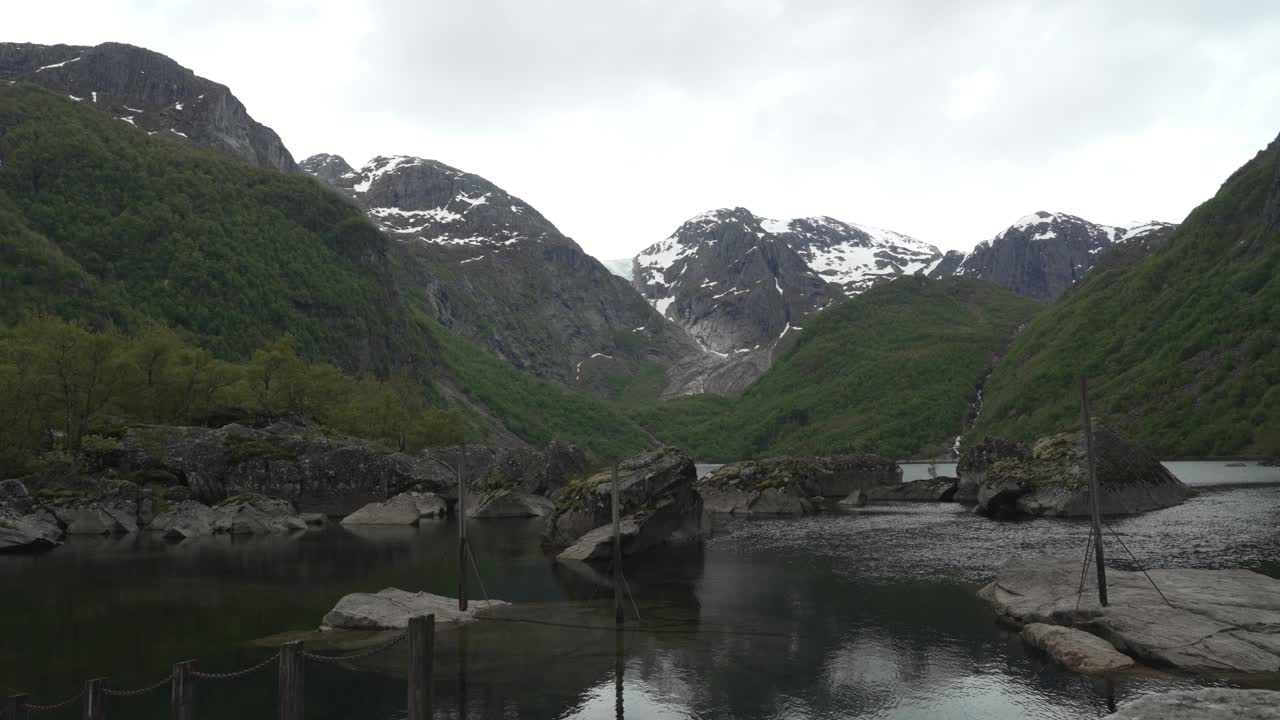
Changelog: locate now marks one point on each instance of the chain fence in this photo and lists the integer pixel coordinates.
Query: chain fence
(34, 708)
(359, 655)
(236, 673)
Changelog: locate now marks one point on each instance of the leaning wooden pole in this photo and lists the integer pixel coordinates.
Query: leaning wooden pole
(462, 528)
(1095, 499)
(617, 552)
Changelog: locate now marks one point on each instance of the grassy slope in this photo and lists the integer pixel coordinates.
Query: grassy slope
(890, 371)
(1182, 348)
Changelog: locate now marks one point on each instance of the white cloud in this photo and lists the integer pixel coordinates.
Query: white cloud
(618, 120)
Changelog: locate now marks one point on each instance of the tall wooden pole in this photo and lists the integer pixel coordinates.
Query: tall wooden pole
(619, 667)
(462, 529)
(1095, 500)
(617, 552)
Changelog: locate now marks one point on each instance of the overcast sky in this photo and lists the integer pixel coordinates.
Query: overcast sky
(619, 120)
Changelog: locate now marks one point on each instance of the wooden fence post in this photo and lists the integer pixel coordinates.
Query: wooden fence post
(93, 700)
(290, 686)
(422, 647)
(20, 707)
(182, 691)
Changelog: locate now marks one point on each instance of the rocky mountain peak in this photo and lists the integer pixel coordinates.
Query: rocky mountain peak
(151, 92)
(326, 168)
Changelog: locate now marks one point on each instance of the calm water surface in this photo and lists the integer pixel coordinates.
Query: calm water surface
(863, 615)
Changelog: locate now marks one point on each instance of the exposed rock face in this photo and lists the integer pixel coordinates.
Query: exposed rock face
(656, 494)
(184, 520)
(104, 506)
(941, 489)
(392, 608)
(1204, 704)
(976, 460)
(740, 284)
(1045, 253)
(788, 485)
(1216, 621)
(1054, 480)
(150, 91)
(1079, 651)
(505, 504)
(497, 271)
(403, 509)
(30, 532)
(249, 514)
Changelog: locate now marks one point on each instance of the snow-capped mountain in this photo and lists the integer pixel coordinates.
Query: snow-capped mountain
(496, 270)
(151, 92)
(1045, 253)
(740, 283)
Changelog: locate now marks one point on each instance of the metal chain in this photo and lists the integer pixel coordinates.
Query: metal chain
(236, 673)
(49, 708)
(140, 691)
(357, 655)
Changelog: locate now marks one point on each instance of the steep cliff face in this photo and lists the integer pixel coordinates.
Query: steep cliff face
(494, 269)
(151, 92)
(1043, 254)
(741, 284)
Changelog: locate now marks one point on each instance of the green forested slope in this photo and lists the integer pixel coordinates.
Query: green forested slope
(1182, 347)
(890, 371)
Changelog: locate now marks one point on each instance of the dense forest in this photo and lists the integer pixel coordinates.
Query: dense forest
(1182, 347)
(890, 371)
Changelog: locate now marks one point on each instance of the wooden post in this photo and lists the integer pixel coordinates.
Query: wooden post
(290, 685)
(20, 707)
(462, 529)
(1095, 500)
(617, 552)
(182, 692)
(619, 667)
(462, 671)
(422, 649)
(93, 700)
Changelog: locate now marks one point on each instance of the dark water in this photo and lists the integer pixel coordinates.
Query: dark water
(866, 615)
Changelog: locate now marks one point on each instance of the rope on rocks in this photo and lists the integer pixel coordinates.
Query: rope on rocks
(630, 597)
(1084, 568)
(1139, 564)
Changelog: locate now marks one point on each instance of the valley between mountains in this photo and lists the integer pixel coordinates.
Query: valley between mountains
(138, 199)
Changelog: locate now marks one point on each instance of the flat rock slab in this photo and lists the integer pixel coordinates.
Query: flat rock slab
(391, 609)
(1206, 704)
(1216, 621)
(403, 509)
(1077, 650)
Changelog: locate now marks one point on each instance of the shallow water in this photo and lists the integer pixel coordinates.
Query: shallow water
(870, 614)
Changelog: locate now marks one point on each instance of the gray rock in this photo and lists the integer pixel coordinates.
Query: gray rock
(96, 520)
(1079, 651)
(314, 519)
(392, 608)
(14, 495)
(977, 459)
(857, 498)
(656, 495)
(1224, 621)
(1053, 479)
(1203, 704)
(598, 544)
(512, 505)
(928, 490)
(186, 519)
(257, 515)
(30, 532)
(403, 509)
(792, 485)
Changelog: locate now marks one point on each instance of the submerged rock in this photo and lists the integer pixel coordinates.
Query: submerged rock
(1053, 479)
(403, 509)
(789, 485)
(504, 504)
(392, 608)
(941, 489)
(1204, 704)
(656, 494)
(1077, 650)
(1216, 621)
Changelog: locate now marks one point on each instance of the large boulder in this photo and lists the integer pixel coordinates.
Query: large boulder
(511, 504)
(29, 532)
(392, 608)
(656, 493)
(789, 485)
(1214, 621)
(1203, 704)
(941, 489)
(185, 519)
(1077, 650)
(257, 515)
(977, 459)
(403, 509)
(1054, 479)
